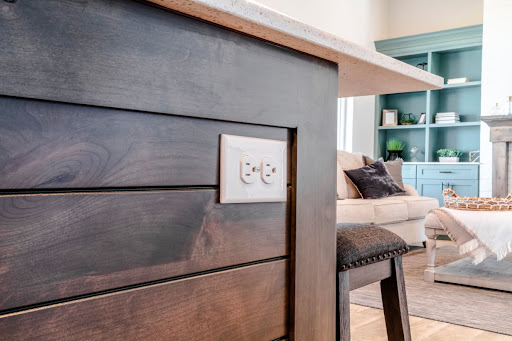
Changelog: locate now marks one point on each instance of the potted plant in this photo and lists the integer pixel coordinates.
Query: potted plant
(395, 148)
(449, 155)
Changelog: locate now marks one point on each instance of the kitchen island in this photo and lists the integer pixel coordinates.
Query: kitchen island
(110, 121)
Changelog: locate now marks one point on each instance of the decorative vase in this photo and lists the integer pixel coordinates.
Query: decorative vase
(449, 159)
(394, 154)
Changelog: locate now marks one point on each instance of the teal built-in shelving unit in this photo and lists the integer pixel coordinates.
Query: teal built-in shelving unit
(452, 53)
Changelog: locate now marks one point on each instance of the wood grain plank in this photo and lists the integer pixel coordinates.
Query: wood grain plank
(373, 327)
(364, 275)
(55, 145)
(315, 224)
(501, 134)
(130, 55)
(62, 245)
(249, 303)
(343, 306)
(394, 302)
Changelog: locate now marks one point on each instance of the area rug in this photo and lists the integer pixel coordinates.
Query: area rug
(457, 304)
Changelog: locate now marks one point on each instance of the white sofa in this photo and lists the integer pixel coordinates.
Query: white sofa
(403, 215)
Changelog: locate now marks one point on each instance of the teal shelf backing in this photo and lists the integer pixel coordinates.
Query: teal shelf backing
(453, 53)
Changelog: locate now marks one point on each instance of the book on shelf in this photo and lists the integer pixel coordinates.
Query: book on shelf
(457, 80)
(447, 114)
(447, 117)
(447, 121)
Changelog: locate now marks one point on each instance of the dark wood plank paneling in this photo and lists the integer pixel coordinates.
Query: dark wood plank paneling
(125, 54)
(128, 55)
(53, 145)
(249, 303)
(56, 246)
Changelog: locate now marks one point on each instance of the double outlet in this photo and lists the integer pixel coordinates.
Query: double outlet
(252, 169)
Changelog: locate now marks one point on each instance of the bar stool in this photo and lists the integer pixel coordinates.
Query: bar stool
(366, 254)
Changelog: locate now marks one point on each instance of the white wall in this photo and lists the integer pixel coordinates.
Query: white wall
(408, 17)
(364, 21)
(360, 21)
(496, 75)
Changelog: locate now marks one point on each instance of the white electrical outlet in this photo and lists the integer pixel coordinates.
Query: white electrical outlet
(268, 170)
(248, 169)
(252, 169)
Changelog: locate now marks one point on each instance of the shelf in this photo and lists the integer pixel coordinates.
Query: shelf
(411, 126)
(449, 54)
(462, 85)
(455, 125)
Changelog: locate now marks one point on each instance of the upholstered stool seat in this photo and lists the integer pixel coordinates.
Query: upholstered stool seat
(367, 254)
(362, 245)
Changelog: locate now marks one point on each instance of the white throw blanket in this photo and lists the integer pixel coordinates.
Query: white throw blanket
(478, 234)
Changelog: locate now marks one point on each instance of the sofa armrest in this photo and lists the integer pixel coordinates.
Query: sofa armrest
(410, 191)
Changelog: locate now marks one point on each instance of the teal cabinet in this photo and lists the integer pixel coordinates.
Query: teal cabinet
(409, 171)
(431, 179)
(409, 181)
(409, 175)
(447, 172)
(433, 188)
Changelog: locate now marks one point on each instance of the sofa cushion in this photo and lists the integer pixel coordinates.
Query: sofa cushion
(374, 181)
(389, 210)
(358, 211)
(347, 161)
(417, 207)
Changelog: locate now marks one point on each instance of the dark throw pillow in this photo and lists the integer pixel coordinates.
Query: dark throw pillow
(394, 168)
(374, 181)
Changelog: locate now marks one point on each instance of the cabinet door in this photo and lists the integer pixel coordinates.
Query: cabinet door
(464, 188)
(431, 188)
(434, 188)
(409, 171)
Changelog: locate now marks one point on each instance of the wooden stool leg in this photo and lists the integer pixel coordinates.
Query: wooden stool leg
(395, 303)
(343, 306)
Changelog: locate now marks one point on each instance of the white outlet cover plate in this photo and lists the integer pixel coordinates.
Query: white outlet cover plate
(232, 188)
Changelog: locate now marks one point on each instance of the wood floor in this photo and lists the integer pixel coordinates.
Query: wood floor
(368, 324)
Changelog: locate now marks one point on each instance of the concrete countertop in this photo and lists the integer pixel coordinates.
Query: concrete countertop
(361, 71)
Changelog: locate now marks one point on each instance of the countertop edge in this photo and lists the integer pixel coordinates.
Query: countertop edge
(362, 71)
